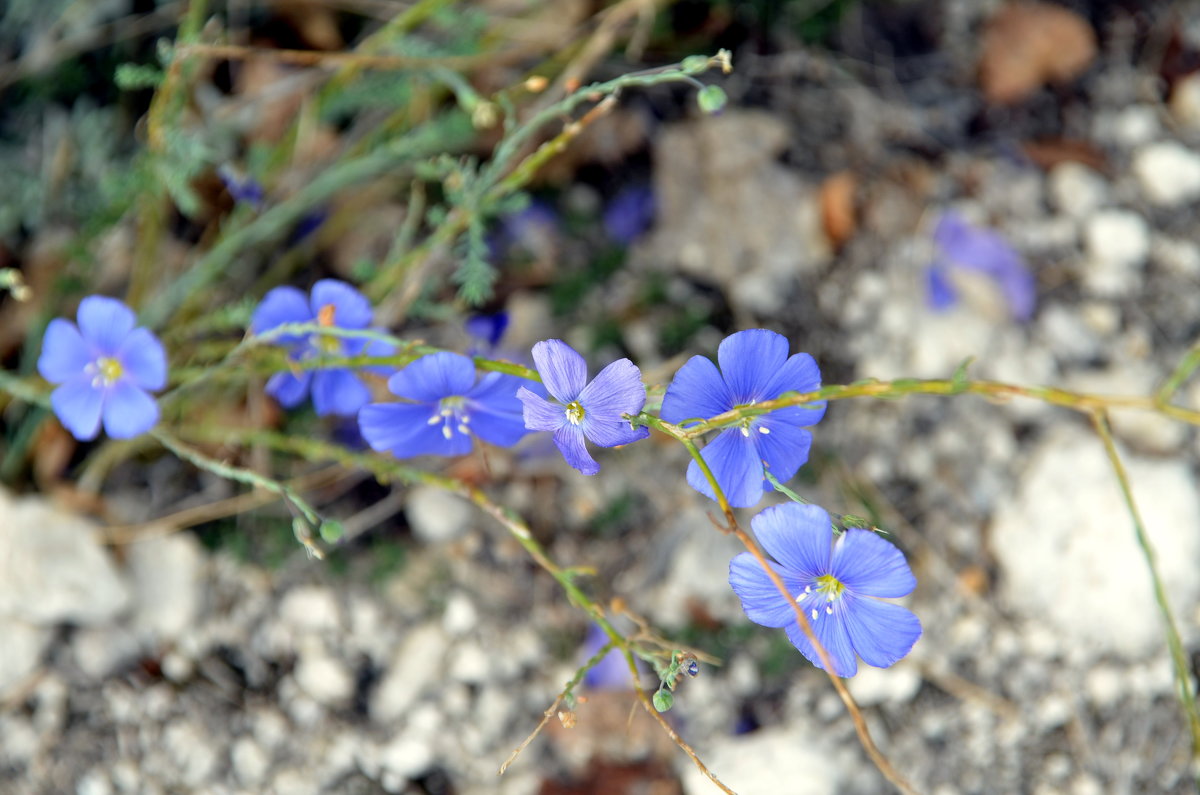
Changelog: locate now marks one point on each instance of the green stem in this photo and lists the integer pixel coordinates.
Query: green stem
(1183, 676)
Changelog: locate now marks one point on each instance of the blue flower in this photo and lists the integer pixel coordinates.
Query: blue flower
(447, 409)
(579, 409)
(486, 331)
(336, 390)
(961, 245)
(629, 214)
(838, 586)
(612, 672)
(106, 368)
(754, 367)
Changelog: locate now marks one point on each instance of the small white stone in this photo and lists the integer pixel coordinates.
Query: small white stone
(1076, 189)
(323, 678)
(102, 651)
(23, 647)
(94, 782)
(762, 761)
(1135, 125)
(1169, 173)
(250, 762)
(1104, 686)
(895, 685)
(166, 576)
(310, 608)
(1185, 101)
(1117, 244)
(470, 664)
(460, 615)
(406, 757)
(437, 516)
(418, 662)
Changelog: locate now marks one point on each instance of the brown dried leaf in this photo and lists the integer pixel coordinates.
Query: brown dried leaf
(1027, 45)
(838, 214)
(1047, 153)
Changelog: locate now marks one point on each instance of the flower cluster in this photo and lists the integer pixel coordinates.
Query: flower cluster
(334, 304)
(106, 367)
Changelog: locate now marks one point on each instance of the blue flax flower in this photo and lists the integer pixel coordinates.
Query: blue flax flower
(335, 390)
(579, 409)
(106, 368)
(447, 409)
(838, 587)
(961, 245)
(755, 367)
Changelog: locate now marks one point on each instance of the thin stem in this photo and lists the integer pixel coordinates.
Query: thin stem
(1183, 676)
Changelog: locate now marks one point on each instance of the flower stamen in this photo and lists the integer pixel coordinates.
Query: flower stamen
(105, 371)
(575, 412)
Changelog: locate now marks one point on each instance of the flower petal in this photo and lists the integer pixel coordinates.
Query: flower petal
(496, 414)
(433, 377)
(616, 390)
(338, 391)
(128, 410)
(289, 389)
(279, 306)
(403, 430)
(379, 348)
(798, 536)
(761, 601)
(143, 359)
(696, 392)
(871, 566)
(882, 633)
(104, 322)
(569, 439)
(830, 630)
(612, 433)
(939, 291)
(77, 405)
(563, 370)
(749, 360)
(351, 309)
(734, 462)
(539, 413)
(798, 374)
(785, 448)
(64, 352)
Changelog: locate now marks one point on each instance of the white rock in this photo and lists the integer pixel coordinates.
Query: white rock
(23, 647)
(1067, 552)
(1181, 257)
(406, 757)
(418, 663)
(323, 678)
(166, 576)
(460, 615)
(192, 751)
(1168, 172)
(310, 608)
(762, 762)
(470, 664)
(51, 568)
(94, 782)
(1117, 244)
(1185, 101)
(250, 762)
(1145, 431)
(1076, 189)
(102, 651)
(437, 516)
(895, 685)
(1104, 685)
(1135, 125)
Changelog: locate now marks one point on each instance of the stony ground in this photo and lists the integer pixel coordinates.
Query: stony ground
(162, 666)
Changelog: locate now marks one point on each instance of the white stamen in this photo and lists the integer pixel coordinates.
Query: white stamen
(446, 431)
(764, 431)
(435, 419)
(814, 614)
(463, 429)
(829, 610)
(808, 589)
(745, 432)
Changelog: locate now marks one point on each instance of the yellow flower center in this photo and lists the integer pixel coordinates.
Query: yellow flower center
(575, 412)
(828, 585)
(107, 370)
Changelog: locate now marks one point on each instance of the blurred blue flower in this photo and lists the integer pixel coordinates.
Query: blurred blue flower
(447, 409)
(579, 409)
(837, 583)
(961, 245)
(611, 673)
(335, 390)
(533, 230)
(486, 331)
(629, 214)
(242, 187)
(755, 367)
(106, 368)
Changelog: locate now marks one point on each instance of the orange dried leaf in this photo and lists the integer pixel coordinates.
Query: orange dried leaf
(1027, 45)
